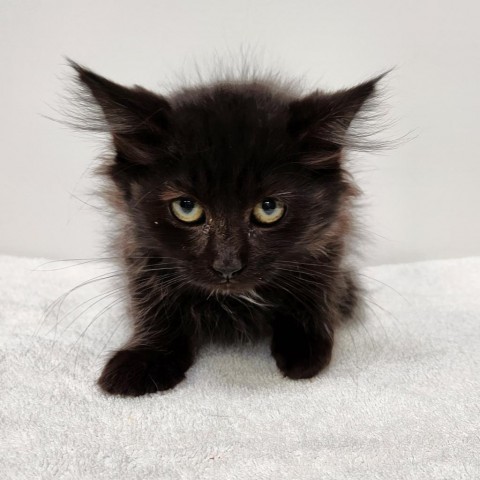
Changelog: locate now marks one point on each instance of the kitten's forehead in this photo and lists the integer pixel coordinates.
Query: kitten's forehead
(232, 121)
(231, 141)
(227, 182)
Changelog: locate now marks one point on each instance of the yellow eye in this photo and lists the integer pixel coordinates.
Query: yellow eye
(187, 210)
(268, 210)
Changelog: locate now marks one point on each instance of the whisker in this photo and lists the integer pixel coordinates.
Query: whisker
(386, 285)
(98, 315)
(112, 333)
(58, 303)
(103, 297)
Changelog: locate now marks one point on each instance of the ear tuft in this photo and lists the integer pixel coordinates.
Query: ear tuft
(137, 119)
(321, 120)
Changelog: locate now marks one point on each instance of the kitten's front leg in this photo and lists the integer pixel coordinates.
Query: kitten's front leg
(302, 340)
(156, 359)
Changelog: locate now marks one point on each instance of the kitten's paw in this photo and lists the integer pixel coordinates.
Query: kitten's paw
(301, 358)
(137, 372)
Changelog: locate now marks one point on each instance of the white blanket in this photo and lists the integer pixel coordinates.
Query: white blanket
(400, 400)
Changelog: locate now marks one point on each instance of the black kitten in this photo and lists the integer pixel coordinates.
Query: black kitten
(235, 209)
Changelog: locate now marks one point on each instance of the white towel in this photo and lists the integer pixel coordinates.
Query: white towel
(400, 399)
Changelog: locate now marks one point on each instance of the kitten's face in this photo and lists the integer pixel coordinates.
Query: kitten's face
(232, 184)
(233, 208)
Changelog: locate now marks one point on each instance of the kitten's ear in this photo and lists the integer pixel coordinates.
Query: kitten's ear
(137, 119)
(320, 121)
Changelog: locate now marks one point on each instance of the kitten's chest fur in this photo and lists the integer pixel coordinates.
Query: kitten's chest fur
(225, 319)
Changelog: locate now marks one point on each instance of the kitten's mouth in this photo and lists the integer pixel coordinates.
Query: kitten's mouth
(228, 285)
(231, 286)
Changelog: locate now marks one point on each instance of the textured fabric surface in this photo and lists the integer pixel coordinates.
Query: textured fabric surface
(400, 400)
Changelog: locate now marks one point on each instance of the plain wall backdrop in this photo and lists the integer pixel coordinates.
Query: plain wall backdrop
(421, 199)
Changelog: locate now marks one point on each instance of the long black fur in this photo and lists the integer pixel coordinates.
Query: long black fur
(228, 145)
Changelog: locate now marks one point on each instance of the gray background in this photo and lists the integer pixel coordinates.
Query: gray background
(421, 199)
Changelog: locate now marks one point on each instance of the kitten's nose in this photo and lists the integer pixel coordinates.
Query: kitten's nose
(227, 269)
